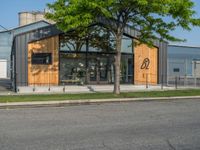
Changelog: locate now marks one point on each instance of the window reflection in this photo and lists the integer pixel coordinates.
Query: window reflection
(72, 42)
(90, 59)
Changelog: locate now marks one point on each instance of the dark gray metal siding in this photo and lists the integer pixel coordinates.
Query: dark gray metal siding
(163, 62)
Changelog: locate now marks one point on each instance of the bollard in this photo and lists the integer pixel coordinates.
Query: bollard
(34, 83)
(162, 82)
(147, 81)
(63, 87)
(176, 82)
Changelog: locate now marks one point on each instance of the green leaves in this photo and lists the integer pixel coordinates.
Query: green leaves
(155, 18)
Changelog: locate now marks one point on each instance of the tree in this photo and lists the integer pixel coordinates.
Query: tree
(154, 18)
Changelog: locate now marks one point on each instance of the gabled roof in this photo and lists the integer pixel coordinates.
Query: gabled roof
(52, 30)
(42, 21)
(183, 46)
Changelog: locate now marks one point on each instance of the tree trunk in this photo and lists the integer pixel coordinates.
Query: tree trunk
(117, 63)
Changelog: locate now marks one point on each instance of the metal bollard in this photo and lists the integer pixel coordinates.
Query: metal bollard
(176, 82)
(162, 82)
(147, 86)
(63, 87)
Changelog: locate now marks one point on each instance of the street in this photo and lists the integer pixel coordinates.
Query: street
(153, 125)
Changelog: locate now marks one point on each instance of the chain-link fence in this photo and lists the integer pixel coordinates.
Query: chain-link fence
(184, 81)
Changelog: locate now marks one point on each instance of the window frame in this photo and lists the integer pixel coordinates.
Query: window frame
(40, 60)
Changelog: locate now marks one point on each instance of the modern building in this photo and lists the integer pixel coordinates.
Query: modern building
(47, 56)
(184, 65)
(6, 41)
(183, 61)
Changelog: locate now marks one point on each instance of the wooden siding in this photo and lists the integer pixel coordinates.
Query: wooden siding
(44, 74)
(143, 72)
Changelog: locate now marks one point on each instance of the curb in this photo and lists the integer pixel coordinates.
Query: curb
(86, 101)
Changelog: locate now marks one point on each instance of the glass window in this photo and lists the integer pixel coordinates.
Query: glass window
(72, 68)
(72, 43)
(42, 58)
(176, 70)
(127, 45)
(100, 40)
(127, 69)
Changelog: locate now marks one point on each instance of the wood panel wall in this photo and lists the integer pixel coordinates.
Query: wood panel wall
(143, 74)
(44, 74)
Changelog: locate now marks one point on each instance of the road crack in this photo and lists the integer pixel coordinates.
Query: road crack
(170, 145)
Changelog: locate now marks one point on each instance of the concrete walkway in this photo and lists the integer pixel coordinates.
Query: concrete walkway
(87, 89)
(75, 89)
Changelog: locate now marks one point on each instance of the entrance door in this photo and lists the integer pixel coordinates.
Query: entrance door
(127, 69)
(98, 70)
(3, 68)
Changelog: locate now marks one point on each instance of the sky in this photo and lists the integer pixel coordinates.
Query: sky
(9, 10)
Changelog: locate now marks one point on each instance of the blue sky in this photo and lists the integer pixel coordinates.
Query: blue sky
(9, 17)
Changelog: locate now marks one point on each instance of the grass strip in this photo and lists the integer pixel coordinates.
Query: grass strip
(54, 97)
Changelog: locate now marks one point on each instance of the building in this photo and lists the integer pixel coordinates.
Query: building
(184, 65)
(183, 61)
(47, 56)
(6, 41)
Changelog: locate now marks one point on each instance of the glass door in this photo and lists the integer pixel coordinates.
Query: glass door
(98, 70)
(127, 69)
(92, 65)
(103, 69)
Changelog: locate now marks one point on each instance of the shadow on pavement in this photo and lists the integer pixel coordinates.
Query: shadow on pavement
(5, 85)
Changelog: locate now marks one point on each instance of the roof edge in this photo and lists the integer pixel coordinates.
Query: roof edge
(26, 26)
(185, 46)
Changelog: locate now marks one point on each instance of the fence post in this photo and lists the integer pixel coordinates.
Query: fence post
(162, 81)
(16, 82)
(49, 80)
(176, 82)
(185, 79)
(34, 83)
(63, 87)
(147, 81)
(195, 81)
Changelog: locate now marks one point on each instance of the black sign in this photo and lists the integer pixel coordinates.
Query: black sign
(145, 64)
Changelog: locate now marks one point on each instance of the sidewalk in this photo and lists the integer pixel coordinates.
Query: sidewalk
(86, 101)
(88, 89)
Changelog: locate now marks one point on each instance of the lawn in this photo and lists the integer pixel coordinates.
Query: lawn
(53, 97)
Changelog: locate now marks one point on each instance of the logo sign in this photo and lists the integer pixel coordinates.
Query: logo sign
(145, 64)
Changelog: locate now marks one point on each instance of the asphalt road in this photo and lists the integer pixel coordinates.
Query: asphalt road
(173, 125)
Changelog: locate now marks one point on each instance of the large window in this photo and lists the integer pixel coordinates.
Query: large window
(90, 59)
(72, 68)
(127, 45)
(101, 40)
(42, 58)
(72, 42)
